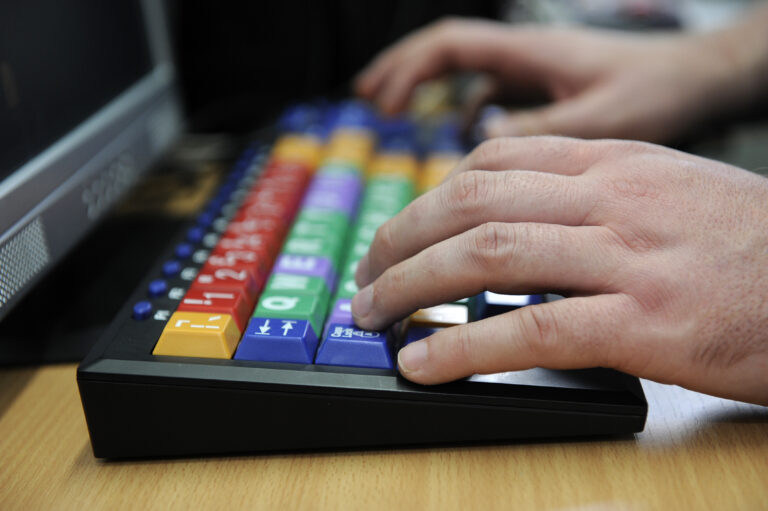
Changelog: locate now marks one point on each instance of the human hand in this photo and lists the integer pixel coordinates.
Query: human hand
(662, 257)
(601, 83)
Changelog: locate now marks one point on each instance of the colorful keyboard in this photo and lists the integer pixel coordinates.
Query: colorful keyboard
(241, 339)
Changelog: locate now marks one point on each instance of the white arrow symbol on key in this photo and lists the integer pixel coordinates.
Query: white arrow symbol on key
(287, 325)
(265, 327)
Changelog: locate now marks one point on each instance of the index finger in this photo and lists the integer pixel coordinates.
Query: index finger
(472, 45)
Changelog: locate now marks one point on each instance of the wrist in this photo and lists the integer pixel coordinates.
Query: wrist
(739, 61)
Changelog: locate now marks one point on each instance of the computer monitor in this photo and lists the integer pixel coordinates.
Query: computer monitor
(87, 102)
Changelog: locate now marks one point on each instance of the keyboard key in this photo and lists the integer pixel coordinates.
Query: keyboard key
(171, 268)
(342, 312)
(227, 279)
(197, 334)
(282, 282)
(312, 266)
(227, 302)
(278, 340)
(157, 288)
(142, 310)
(301, 306)
(347, 345)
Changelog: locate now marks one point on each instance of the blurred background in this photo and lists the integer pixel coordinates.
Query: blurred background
(241, 62)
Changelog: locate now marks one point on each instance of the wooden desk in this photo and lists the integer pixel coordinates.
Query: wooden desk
(697, 452)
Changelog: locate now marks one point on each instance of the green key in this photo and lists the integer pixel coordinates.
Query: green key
(372, 218)
(304, 284)
(347, 287)
(309, 228)
(336, 219)
(292, 305)
(329, 246)
(364, 233)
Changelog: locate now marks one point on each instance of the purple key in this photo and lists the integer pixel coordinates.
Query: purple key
(332, 182)
(342, 312)
(278, 340)
(347, 345)
(342, 200)
(312, 266)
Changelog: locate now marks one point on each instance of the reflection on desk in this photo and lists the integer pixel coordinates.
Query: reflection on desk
(697, 452)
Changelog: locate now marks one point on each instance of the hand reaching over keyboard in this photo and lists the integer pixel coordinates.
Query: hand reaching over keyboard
(600, 83)
(662, 257)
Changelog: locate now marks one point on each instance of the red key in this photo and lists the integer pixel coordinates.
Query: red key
(256, 268)
(227, 302)
(234, 280)
(242, 224)
(261, 243)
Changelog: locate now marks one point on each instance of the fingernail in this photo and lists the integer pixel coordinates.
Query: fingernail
(412, 357)
(362, 302)
(362, 273)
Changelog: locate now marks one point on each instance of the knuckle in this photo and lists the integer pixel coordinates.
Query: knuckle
(489, 241)
(392, 282)
(468, 191)
(540, 330)
(488, 151)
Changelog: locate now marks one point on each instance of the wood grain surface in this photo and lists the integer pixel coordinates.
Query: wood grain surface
(697, 452)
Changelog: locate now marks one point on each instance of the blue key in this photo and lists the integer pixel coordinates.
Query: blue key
(157, 287)
(171, 268)
(195, 234)
(184, 250)
(142, 310)
(347, 345)
(278, 340)
(490, 304)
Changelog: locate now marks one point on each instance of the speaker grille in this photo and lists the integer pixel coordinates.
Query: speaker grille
(21, 258)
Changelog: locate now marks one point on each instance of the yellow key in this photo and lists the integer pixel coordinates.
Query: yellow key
(445, 315)
(304, 149)
(199, 334)
(355, 156)
(398, 164)
(435, 169)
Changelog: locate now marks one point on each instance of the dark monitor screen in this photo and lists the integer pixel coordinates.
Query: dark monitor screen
(59, 63)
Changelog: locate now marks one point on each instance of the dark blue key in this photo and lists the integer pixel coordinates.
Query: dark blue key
(157, 287)
(278, 340)
(184, 250)
(171, 268)
(205, 219)
(347, 345)
(142, 310)
(195, 234)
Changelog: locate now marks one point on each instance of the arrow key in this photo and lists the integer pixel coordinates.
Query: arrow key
(278, 340)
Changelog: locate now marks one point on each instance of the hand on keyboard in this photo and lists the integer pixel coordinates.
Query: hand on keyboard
(663, 258)
(601, 83)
